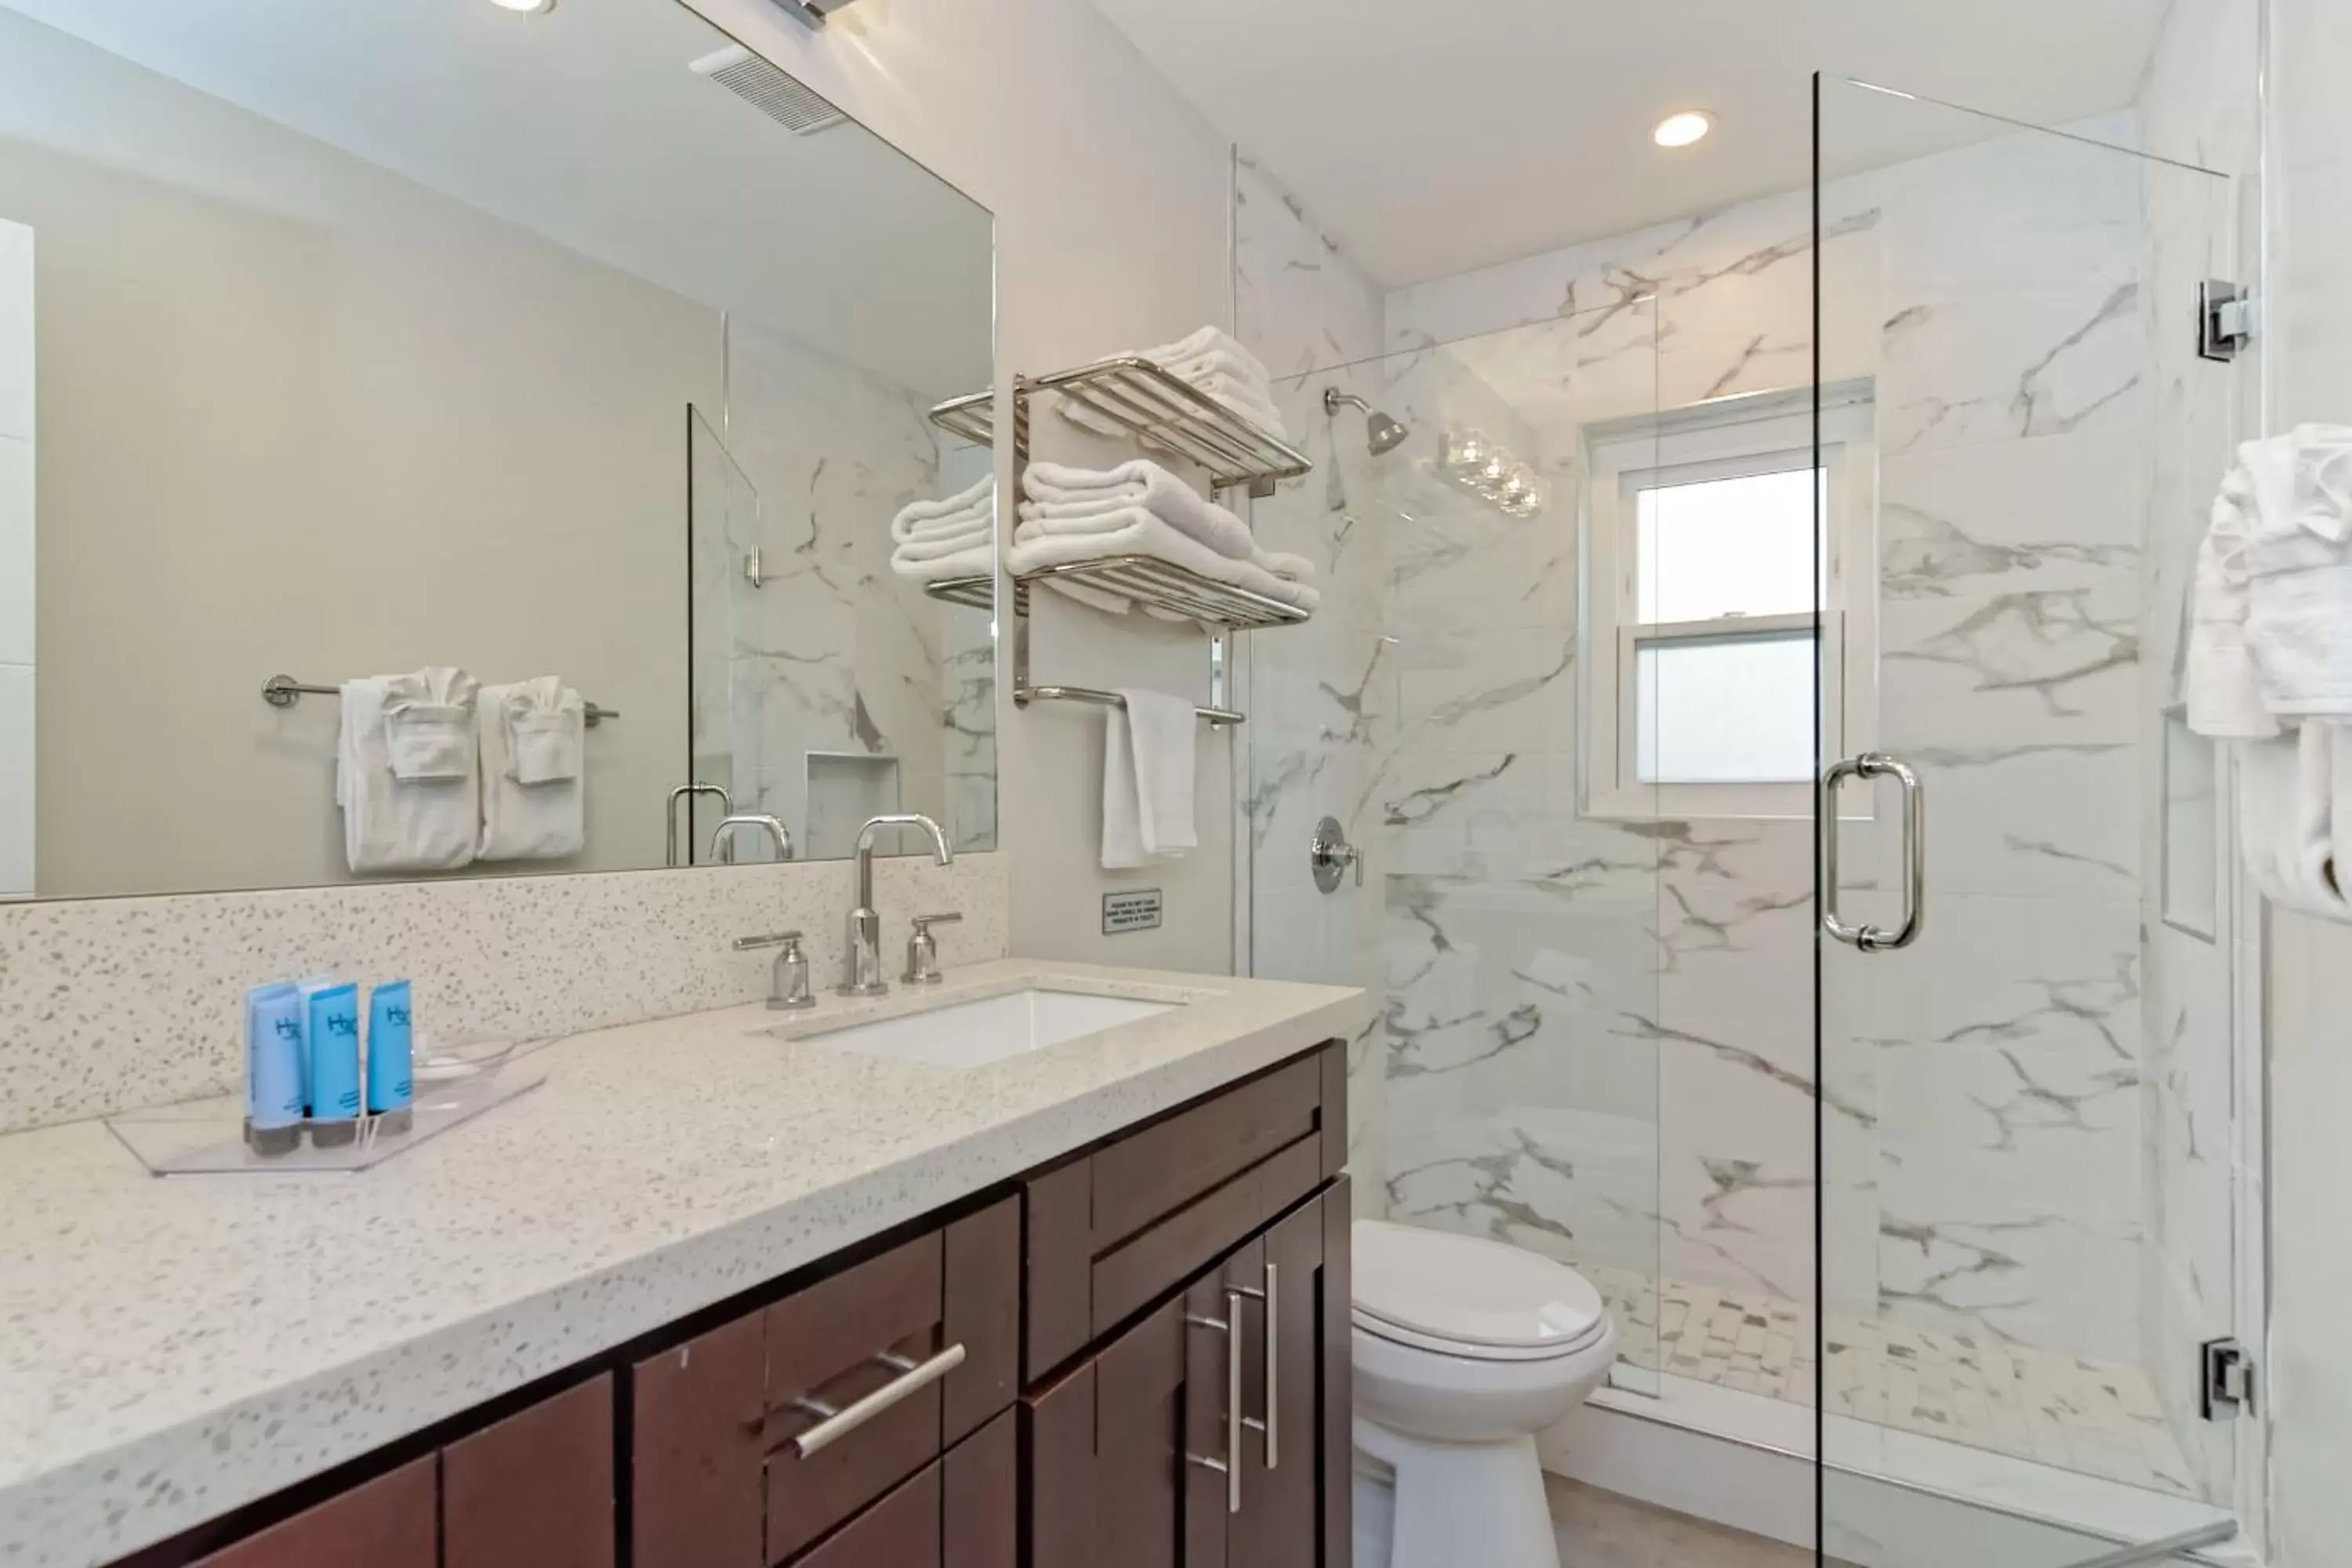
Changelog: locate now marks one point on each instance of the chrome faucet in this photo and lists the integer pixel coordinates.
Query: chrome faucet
(862, 972)
(723, 840)
(688, 792)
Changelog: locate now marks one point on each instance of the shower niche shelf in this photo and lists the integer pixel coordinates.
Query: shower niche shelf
(1158, 409)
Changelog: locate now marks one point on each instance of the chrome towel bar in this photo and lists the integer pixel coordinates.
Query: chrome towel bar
(284, 692)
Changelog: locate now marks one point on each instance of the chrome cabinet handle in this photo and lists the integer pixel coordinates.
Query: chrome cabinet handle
(913, 1377)
(1870, 938)
(1230, 1465)
(1271, 1300)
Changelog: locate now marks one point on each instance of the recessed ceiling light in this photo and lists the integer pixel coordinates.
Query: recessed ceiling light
(529, 7)
(1674, 131)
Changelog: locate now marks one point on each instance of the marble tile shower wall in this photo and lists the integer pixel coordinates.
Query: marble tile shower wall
(832, 654)
(1563, 990)
(1313, 746)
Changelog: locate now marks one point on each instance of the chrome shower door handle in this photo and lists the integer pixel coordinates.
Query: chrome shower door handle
(1871, 765)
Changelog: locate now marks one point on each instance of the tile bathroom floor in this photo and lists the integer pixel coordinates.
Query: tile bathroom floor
(1603, 1530)
(2093, 1417)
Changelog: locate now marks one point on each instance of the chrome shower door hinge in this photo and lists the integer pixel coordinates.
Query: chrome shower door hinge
(2228, 1380)
(2225, 320)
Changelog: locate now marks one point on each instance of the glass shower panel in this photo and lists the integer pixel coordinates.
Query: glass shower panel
(2027, 1229)
(1509, 1086)
(723, 532)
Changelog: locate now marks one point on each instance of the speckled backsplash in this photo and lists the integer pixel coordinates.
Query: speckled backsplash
(111, 1004)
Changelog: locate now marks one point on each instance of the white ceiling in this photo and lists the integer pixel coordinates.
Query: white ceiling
(1433, 138)
(586, 126)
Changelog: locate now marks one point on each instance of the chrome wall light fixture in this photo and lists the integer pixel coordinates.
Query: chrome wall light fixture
(1484, 467)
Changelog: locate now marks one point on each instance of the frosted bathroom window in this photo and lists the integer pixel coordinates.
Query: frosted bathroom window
(1724, 709)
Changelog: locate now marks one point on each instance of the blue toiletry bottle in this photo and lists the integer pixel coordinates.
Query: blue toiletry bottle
(273, 1069)
(389, 1051)
(334, 1036)
(308, 988)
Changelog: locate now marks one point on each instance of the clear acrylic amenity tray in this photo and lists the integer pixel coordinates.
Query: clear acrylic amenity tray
(454, 1085)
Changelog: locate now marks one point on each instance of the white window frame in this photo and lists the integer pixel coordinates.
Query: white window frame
(1732, 438)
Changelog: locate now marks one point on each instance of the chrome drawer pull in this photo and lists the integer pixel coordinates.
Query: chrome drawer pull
(1229, 1466)
(913, 1377)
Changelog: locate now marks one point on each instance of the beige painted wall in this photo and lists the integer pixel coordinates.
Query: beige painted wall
(1111, 199)
(275, 416)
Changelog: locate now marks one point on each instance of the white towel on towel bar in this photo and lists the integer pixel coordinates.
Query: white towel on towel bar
(534, 770)
(1135, 531)
(1148, 762)
(1212, 340)
(426, 815)
(1211, 362)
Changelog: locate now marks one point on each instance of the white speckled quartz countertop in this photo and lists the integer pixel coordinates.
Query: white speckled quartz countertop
(170, 1349)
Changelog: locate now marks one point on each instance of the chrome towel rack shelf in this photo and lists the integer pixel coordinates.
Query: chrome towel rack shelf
(284, 692)
(1170, 415)
(1158, 409)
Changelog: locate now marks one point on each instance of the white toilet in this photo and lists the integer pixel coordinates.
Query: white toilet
(1464, 1350)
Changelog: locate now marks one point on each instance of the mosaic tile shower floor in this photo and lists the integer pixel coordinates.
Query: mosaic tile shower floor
(2091, 1417)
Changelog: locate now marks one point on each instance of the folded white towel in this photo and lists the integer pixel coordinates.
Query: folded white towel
(1135, 531)
(939, 518)
(1079, 523)
(2222, 683)
(968, 561)
(533, 739)
(1211, 360)
(1059, 494)
(916, 551)
(425, 815)
(1148, 777)
(1211, 341)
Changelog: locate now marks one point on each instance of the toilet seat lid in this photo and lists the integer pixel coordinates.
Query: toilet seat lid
(1468, 1291)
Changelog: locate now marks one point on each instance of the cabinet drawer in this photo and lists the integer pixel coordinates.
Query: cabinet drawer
(1112, 1231)
(388, 1522)
(958, 1511)
(757, 1439)
(536, 1487)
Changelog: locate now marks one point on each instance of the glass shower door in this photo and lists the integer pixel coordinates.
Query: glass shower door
(2026, 1045)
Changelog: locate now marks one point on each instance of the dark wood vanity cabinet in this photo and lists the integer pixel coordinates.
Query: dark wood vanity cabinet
(1198, 1437)
(1135, 1357)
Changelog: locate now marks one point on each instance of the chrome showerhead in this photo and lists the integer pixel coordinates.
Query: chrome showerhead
(1381, 434)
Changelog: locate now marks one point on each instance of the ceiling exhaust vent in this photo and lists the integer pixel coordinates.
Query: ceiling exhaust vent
(777, 94)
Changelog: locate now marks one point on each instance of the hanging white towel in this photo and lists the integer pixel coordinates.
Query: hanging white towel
(1148, 775)
(426, 814)
(533, 740)
(2299, 570)
(2286, 790)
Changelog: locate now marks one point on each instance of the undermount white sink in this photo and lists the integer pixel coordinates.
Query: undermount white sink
(972, 1033)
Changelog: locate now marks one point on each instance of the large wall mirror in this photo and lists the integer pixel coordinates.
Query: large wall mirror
(536, 393)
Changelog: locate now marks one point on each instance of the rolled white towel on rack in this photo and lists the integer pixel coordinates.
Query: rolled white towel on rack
(1135, 531)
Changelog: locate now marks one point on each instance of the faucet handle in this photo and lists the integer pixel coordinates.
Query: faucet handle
(923, 949)
(788, 983)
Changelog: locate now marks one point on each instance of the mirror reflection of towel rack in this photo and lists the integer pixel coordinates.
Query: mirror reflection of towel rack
(284, 692)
